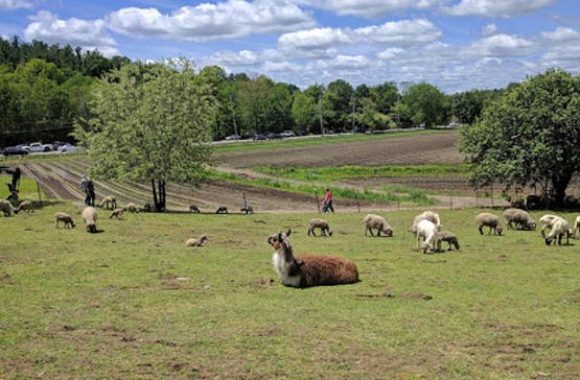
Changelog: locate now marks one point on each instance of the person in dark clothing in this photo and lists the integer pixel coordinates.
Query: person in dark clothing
(16, 178)
(327, 202)
(85, 189)
(92, 196)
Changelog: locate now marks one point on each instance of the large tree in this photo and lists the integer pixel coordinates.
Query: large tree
(150, 123)
(530, 136)
(426, 104)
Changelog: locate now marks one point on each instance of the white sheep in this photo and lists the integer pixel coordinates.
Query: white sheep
(546, 222)
(131, 207)
(428, 215)
(520, 218)
(7, 208)
(25, 206)
(64, 218)
(576, 231)
(322, 225)
(372, 221)
(199, 242)
(109, 202)
(485, 219)
(89, 216)
(426, 235)
(117, 213)
(560, 228)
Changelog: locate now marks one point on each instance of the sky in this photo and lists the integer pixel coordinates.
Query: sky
(456, 45)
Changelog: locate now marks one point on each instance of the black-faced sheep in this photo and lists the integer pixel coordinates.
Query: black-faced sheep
(520, 219)
(7, 208)
(309, 270)
(485, 219)
(449, 238)
(221, 210)
(25, 206)
(321, 224)
(428, 215)
(109, 202)
(194, 209)
(560, 228)
(89, 216)
(377, 222)
(426, 235)
(117, 213)
(132, 207)
(247, 210)
(64, 218)
(199, 242)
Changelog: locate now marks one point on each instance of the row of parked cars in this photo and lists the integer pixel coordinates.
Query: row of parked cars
(37, 147)
(260, 137)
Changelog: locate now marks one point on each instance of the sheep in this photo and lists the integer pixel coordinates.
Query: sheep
(194, 209)
(147, 207)
(560, 228)
(449, 238)
(222, 210)
(576, 230)
(131, 207)
(117, 213)
(199, 242)
(429, 215)
(65, 218)
(520, 218)
(89, 216)
(546, 222)
(319, 223)
(372, 221)
(426, 231)
(7, 208)
(25, 206)
(109, 202)
(247, 210)
(309, 270)
(486, 219)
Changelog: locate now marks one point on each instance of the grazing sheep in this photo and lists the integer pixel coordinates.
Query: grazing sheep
(7, 208)
(576, 230)
(199, 242)
(132, 207)
(309, 270)
(147, 207)
(25, 206)
(65, 218)
(449, 238)
(319, 223)
(428, 215)
(426, 231)
(194, 209)
(109, 202)
(485, 219)
(520, 218)
(372, 221)
(117, 213)
(247, 210)
(89, 216)
(222, 210)
(546, 223)
(560, 228)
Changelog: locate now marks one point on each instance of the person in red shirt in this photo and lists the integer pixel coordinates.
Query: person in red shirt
(327, 202)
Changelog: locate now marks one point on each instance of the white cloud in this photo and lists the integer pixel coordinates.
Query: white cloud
(314, 39)
(284, 67)
(496, 8)
(15, 4)
(89, 35)
(502, 45)
(404, 32)
(390, 53)
(344, 62)
(562, 35)
(371, 8)
(489, 29)
(209, 21)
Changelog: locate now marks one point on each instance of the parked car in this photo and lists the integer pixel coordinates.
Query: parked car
(273, 136)
(58, 144)
(14, 150)
(233, 137)
(37, 147)
(286, 134)
(68, 148)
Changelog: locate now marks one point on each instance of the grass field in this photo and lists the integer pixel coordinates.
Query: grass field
(133, 302)
(28, 189)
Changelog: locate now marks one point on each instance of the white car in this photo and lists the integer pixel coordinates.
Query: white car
(68, 148)
(37, 147)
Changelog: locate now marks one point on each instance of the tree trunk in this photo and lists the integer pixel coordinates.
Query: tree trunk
(154, 190)
(560, 184)
(161, 206)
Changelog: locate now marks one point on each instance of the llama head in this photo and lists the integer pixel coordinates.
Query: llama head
(280, 240)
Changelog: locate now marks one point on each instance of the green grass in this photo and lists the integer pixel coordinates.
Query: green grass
(134, 302)
(28, 189)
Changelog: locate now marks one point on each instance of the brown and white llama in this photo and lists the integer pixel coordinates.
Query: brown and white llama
(309, 270)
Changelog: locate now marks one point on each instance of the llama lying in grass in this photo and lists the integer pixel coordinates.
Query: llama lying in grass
(320, 224)
(309, 270)
(64, 218)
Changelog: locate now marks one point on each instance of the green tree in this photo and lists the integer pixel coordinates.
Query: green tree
(427, 104)
(467, 106)
(150, 123)
(385, 96)
(305, 112)
(337, 105)
(530, 136)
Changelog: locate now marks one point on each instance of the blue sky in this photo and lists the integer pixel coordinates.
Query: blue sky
(454, 44)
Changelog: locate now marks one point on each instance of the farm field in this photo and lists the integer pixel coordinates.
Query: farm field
(134, 302)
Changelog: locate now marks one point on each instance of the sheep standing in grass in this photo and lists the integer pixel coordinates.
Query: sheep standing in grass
(546, 223)
(194, 209)
(426, 235)
(247, 210)
(89, 216)
(428, 215)
(309, 270)
(520, 218)
(25, 206)
(64, 218)
(117, 213)
(377, 222)
(449, 238)
(132, 207)
(199, 242)
(7, 208)
(322, 225)
(560, 228)
(109, 202)
(485, 219)
(576, 231)
(222, 210)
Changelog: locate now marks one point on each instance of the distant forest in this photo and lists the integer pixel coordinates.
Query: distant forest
(45, 88)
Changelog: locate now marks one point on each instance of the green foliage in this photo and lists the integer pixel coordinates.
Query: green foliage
(426, 105)
(468, 106)
(305, 112)
(530, 136)
(337, 105)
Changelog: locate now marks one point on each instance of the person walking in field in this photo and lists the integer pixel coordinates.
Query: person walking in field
(92, 195)
(328, 202)
(85, 189)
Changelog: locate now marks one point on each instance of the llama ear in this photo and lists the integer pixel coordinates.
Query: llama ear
(288, 232)
(280, 236)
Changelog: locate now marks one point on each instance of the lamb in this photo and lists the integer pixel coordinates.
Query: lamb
(89, 216)
(132, 207)
(547, 222)
(449, 238)
(194, 209)
(7, 208)
(560, 228)
(247, 210)
(222, 210)
(65, 218)
(576, 230)
(319, 223)
(520, 218)
(428, 215)
(25, 206)
(426, 231)
(485, 219)
(372, 221)
(309, 270)
(109, 202)
(117, 213)
(199, 242)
